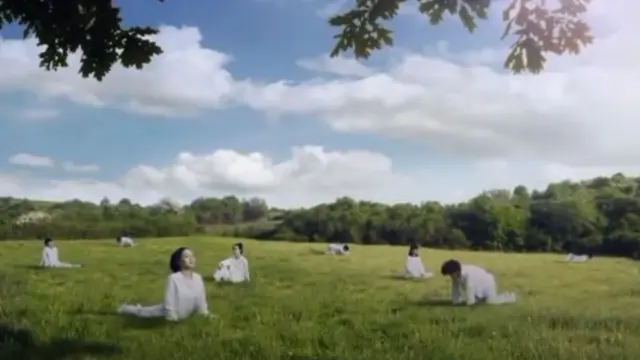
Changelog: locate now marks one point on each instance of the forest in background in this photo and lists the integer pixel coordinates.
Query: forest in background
(600, 215)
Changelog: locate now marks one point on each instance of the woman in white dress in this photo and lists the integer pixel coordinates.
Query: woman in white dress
(476, 283)
(234, 269)
(571, 257)
(339, 249)
(49, 258)
(414, 269)
(125, 240)
(184, 292)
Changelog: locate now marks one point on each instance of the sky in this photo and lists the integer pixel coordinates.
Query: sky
(245, 100)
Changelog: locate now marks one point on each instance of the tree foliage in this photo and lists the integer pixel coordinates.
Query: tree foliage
(601, 215)
(94, 29)
(539, 28)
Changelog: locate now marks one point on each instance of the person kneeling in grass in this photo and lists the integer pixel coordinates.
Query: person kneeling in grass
(476, 282)
(184, 292)
(50, 258)
(414, 269)
(340, 249)
(234, 269)
(125, 240)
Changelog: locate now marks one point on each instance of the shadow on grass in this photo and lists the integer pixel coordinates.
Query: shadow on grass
(433, 303)
(29, 267)
(316, 252)
(20, 344)
(402, 277)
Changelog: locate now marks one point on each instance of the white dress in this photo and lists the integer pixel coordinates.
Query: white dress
(234, 270)
(49, 259)
(336, 249)
(183, 296)
(126, 241)
(576, 258)
(478, 284)
(415, 269)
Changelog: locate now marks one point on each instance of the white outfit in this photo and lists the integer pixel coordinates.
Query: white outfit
(183, 296)
(576, 258)
(336, 249)
(478, 284)
(415, 269)
(233, 269)
(50, 259)
(126, 241)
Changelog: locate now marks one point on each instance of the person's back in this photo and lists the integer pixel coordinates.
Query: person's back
(49, 257)
(183, 295)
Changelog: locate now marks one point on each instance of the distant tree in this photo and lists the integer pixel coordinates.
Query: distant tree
(94, 29)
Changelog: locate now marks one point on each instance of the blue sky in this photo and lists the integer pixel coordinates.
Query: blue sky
(265, 42)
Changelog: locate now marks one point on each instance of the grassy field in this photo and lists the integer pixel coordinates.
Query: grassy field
(303, 305)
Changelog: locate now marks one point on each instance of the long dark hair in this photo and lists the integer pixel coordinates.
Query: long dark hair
(413, 250)
(176, 259)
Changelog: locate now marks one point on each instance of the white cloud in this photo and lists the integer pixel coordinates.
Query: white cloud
(70, 166)
(581, 111)
(183, 80)
(340, 65)
(24, 159)
(39, 114)
(311, 174)
(576, 119)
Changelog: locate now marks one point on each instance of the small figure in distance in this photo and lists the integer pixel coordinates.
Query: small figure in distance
(49, 258)
(234, 269)
(414, 269)
(184, 292)
(477, 284)
(571, 257)
(337, 249)
(125, 240)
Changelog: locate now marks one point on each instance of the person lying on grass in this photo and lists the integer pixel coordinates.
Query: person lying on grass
(234, 269)
(477, 284)
(340, 249)
(571, 257)
(49, 258)
(414, 268)
(184, 293)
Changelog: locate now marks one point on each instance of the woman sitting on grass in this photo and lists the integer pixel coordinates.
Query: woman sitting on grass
(414, 268)
(340, 249)
(234, 269)
(476, 282)
(184, 293)
(49, 257)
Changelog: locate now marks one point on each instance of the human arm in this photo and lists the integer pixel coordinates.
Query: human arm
(170, 300)
(455, 291)
(202, 307)
(247, 276)
(469, 292)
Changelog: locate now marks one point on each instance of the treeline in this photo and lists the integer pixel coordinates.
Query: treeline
(601, 215)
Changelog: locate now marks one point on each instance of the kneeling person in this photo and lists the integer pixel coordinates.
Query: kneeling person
(475, 282)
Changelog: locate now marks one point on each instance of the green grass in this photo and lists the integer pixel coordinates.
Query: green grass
(302, 305)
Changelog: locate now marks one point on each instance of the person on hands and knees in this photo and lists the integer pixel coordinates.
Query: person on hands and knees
(184, 292)
(476, 283)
